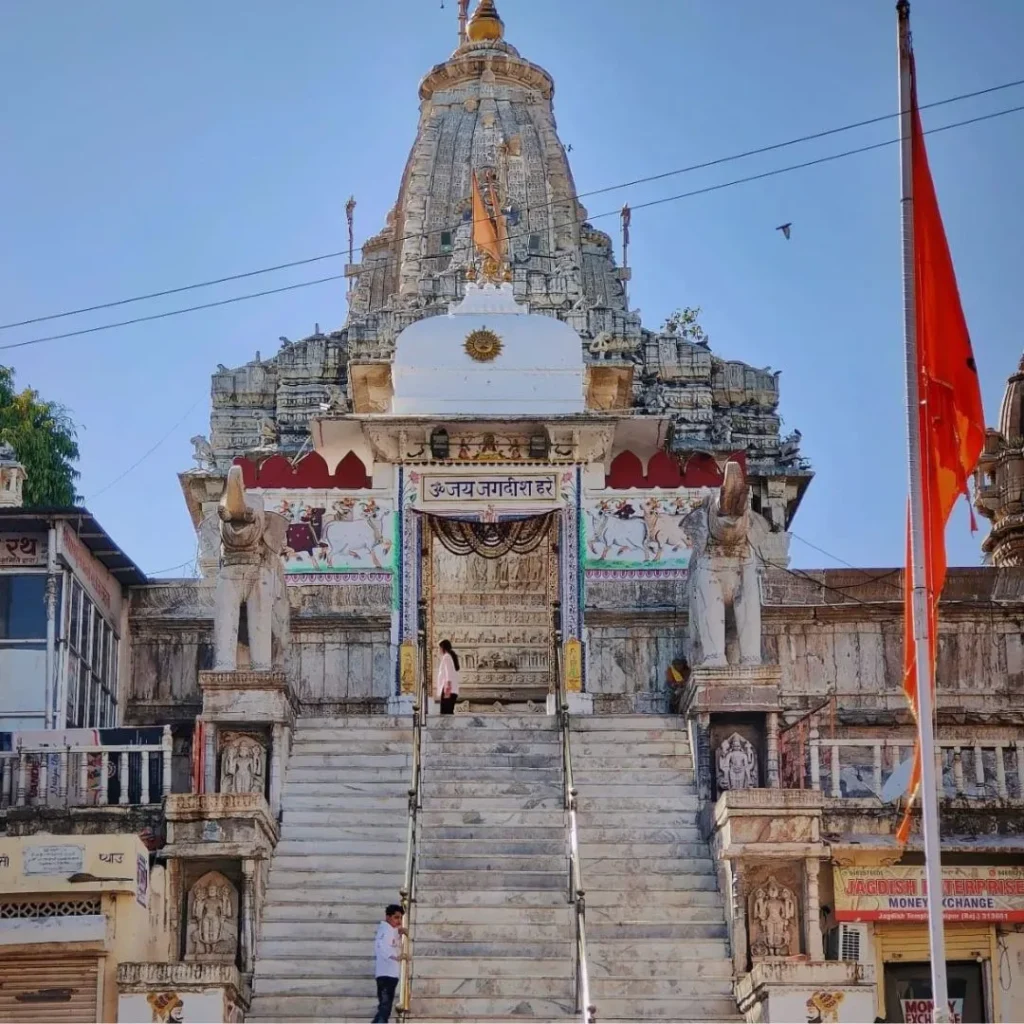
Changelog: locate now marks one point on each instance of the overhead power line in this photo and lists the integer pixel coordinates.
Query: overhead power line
(608, 213)
(163, 293)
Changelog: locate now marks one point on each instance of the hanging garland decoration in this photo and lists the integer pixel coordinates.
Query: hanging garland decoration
(491, 540)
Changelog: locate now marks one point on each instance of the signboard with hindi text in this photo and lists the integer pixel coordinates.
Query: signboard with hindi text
(22, 549)
(447, 490)
(900, 893)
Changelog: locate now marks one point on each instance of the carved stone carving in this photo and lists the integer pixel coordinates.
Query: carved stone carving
(736, 764)
(726, 535)
(251, 573)
(774, 925)
(202, 453)
(212, 920)
(243, 764)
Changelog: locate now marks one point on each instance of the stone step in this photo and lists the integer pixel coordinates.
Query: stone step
(432, 846)
(597, 815)
(481, 1009)
(492, 860)
(377, 892)
(675, 1008)
(321, 915)
(636, 899)
(492, 748)
(356, 878)
(658, 988)
(546, 776)
(317, 937)
(444, 789)
(581, 750)
(589, 779)
(625, 836)
(308, 821)
(368, 721)
(663, 951)
(560, 914)
(441, 762)
(330, 984)
(467, 881)
(483, 817)
(390, 845)
(344, 760)
(633, 763)
(654, 914)
(636, 799)
(358, 802)
(623, 723)
(628, 788)
(607, 867)
(493, 804)
(532, 899)
(636, 931)
(692, 959)
(514, 967)
(484, 931)
(528, 951)
(343, 785)
(591, 849)
(305, 863)
(463, 722)
(274, 1009)
(331, 778)
(664, 881)
(546, 834)
(367, 748)
(480, 984)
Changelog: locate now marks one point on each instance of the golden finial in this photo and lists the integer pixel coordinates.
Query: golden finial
(485, 23)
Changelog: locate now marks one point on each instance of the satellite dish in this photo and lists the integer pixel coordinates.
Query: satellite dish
(898, 783)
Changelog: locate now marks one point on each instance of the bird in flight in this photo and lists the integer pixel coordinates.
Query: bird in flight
(785, 229)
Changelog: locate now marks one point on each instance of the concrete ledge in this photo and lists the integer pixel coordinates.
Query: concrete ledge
(788, 990)
(219, 824)
(247, 697)
(732, 688)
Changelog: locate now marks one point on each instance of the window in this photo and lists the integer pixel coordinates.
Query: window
(534, 243)
(446, 241)
(91, 667)
(23, 607)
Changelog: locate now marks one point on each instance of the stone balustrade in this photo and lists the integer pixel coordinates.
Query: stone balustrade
(76, 773)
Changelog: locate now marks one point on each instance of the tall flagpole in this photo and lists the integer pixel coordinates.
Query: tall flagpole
(921, 598)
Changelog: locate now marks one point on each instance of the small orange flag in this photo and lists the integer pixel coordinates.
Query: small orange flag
(499, 222)
(485, 233)
(951, 419)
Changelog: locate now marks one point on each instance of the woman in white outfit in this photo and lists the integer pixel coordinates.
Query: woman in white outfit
(447, 691)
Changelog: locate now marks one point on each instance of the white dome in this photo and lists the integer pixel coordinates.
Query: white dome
(443, 366)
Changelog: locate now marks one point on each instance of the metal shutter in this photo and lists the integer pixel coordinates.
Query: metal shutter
(908, 943)
(58, 989)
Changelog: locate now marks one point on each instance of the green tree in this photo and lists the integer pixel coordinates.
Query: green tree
(43, 437)
(683, 323)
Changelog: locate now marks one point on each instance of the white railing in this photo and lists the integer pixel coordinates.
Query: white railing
(85, 774)
(966, 769)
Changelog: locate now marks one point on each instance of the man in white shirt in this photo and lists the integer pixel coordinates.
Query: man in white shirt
(387, 952)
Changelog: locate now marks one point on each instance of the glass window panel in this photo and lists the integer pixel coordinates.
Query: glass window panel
(97, 640)
(23, 607)
(83, 694)
(72, 678)
(112, 676)
(75, 631)
(95, 706)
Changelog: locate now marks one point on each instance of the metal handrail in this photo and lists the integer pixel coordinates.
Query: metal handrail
(576, 893)
(408, 890)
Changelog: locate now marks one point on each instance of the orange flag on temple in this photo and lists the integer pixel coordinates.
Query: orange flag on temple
(951, 420)
(499, 222)
(485, 234)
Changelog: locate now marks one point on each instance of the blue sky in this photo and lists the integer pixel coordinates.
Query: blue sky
(153, 145)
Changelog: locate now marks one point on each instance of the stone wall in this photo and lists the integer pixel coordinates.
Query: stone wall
(340, 649)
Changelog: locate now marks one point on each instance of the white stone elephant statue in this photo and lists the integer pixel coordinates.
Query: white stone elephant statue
(726, 535)
(251, 573)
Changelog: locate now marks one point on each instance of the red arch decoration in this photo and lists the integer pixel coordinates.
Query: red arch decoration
(310, 472)
(626, 471)
(351, 472)
(663, 471)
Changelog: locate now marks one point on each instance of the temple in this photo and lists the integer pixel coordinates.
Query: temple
(671, 783)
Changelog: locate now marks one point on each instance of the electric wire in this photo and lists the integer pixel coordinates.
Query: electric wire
(661, 176)
(415, 259)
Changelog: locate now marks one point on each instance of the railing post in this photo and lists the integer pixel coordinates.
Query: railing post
(877, 752)
(5, 782)
(104, 776)
(815, 748)
(22, 778)
(43, 792)
(834, 764)
(167, 745)
(122, 777)
(958, 772)
(979, 765)
(1020, 768)
(1001, 772)
(65, 775)
(83, 776)
(144, 795)
(939, 763)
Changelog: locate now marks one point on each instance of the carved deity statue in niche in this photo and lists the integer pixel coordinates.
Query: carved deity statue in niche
(774, 931)
(243, 764)
(737, 764)
(212, 919)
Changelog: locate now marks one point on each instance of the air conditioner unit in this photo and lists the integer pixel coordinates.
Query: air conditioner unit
(848, 942)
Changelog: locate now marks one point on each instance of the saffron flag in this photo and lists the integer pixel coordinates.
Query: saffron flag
(951, 420)
(499, 223)
(485, 233)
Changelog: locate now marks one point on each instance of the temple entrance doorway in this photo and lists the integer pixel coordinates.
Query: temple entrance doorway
(491, 589)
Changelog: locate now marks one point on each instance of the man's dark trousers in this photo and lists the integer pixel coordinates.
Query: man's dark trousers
(385, 998)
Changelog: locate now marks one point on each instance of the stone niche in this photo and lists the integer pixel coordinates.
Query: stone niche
(243, 762)
(738, 753)
(773, 913)
(212, 922)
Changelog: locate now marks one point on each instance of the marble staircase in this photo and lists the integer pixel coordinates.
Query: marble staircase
(492, 927)
(340, 861)
(656, 927)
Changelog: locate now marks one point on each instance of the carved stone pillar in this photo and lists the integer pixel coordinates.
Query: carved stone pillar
(772, 765)
(210, 758)
(248, 923)
(276, 765)
(739, 920)
(812, 910)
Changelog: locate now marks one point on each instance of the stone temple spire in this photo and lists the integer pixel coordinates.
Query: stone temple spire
(999, 479)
